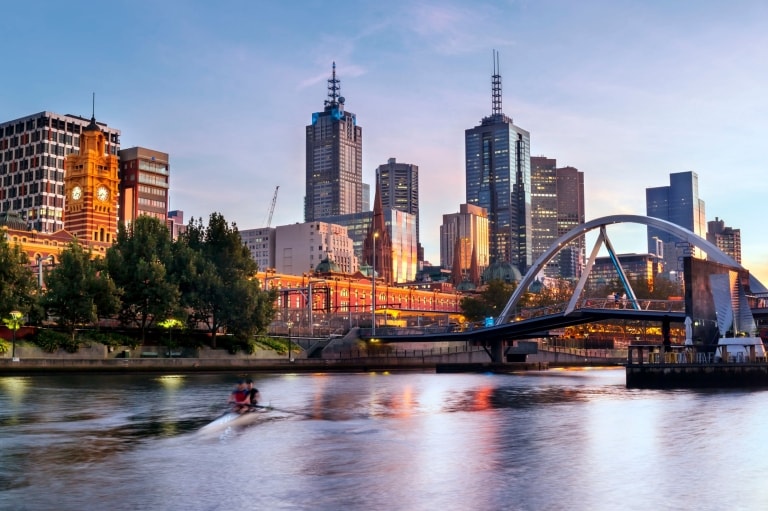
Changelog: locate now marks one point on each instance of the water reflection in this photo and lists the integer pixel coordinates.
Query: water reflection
(377, 441)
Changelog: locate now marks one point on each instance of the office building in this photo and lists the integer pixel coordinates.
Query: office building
(498, 178)
(557, 206)
(680, 204)
(464, 238)
(261, 243)
(175, 223)
(637, 267)
(725, 238)
(400, 190)
(32, 170)
(299, 248)
(334, 166)
(144, 183)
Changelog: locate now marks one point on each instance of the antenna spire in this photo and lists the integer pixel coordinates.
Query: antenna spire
(333, 88)
(496, 85)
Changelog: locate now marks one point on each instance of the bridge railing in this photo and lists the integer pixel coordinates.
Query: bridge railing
(654, 354)
(602, 304)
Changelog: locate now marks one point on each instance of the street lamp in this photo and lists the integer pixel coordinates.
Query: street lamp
(290, 324)
(373, 277)
(13, 323)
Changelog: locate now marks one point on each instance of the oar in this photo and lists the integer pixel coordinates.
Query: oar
(270, 407)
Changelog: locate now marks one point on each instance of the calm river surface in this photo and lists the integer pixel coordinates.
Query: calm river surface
(571, 440)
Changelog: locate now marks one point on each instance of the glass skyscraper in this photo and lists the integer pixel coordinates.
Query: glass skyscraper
(678, 203)
(334, 178)
(498, 178)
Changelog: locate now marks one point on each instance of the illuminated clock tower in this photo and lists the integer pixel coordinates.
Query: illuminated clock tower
(90, 188)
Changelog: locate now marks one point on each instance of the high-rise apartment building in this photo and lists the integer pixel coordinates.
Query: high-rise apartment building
(334, 178)
(725, 238)
(680, 204)
(557, 206)
(400, 189)
(32, 152)
(467, 232)
(498, 178)
(144, 184)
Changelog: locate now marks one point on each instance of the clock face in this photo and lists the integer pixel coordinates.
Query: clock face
(102, 193)
(77, 193)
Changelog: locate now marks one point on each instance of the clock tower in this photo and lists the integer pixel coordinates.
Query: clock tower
(90, 188)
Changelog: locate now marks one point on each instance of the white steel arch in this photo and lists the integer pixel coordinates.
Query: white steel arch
(713, 253)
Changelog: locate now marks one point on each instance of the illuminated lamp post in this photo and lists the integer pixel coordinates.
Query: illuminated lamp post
(13, 323)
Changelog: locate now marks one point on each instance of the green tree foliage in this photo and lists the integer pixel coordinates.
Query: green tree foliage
(72, 288)
(554, 292)
(139, 264)
(489, 302)
(217, 280)
(18, 287)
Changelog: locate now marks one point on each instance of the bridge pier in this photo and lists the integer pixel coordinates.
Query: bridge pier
(497, 352)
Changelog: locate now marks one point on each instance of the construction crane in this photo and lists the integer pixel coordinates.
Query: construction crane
(272, 207)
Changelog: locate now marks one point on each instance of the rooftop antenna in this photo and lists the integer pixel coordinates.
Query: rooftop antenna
(93, 105)
(333, 88)
(496, 85)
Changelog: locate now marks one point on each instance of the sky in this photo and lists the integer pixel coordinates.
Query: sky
(626, 91)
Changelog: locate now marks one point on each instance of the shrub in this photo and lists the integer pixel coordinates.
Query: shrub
(5, 346)
(111, 339)
(50, 341)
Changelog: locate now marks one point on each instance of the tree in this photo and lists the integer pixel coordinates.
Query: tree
(216, 284)
(489, 302)
(72, 287)
(138, 263)
(18, 288)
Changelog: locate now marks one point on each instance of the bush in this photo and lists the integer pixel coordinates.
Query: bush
(50, 341)
(111, 339)
(5, 346)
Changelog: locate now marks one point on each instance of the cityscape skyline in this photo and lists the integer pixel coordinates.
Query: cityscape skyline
(626, 92)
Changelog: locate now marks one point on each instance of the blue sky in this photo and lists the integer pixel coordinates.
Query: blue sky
(626, 91)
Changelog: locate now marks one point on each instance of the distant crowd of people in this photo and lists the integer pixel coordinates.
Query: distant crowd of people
(245, 397)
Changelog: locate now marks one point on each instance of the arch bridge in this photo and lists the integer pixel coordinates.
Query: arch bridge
(513, 324)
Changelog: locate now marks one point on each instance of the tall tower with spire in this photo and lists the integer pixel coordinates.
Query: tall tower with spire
(334, 167)
(379, 242)
(91, 188)
(498, 178)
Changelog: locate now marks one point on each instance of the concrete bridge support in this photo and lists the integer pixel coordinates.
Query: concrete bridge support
(497, 352)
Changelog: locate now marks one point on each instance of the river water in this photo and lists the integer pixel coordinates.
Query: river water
(572, 440)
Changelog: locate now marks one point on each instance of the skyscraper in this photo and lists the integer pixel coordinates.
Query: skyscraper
(334, 178)
(498, 178)
(570, 213)
(400, 189)
(678, 203)
(32, 164)
(557, 206)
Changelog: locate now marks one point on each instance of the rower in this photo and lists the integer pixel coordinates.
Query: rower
(253, 393)
(240, 398)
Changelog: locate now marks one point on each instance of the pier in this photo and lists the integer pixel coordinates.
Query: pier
(696, 366)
